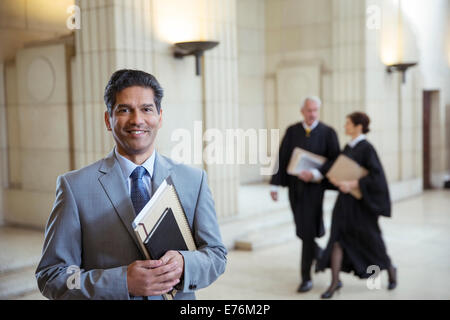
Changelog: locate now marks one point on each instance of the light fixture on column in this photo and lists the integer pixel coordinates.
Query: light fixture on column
(396, 53)
(195, 48)
(401, 67)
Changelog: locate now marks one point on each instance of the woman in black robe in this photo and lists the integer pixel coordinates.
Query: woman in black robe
(356, 241)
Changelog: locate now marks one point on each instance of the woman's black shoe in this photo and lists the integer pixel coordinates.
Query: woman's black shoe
(392, 285)
(329, 293)
(393, 279)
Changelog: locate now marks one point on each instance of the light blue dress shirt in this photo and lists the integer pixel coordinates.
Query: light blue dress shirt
(128, 167)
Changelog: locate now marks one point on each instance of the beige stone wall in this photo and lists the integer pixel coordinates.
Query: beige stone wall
(348, 67)
(352, 57)
(435, 70)
(305, 38)
(24, 21)
(38, 143)
(298, 33)
(3, 142)
(182, 103)
(396, 107)
(27, 176)
(326, 34)
(251, 72)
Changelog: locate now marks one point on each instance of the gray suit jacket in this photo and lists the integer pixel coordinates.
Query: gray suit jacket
(90, 228)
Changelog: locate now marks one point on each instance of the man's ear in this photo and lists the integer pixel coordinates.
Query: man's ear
(107, 122)
(160, 118)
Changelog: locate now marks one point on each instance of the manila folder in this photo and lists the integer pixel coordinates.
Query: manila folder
(344, 169)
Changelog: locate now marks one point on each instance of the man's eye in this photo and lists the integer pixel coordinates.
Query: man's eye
(122, 110)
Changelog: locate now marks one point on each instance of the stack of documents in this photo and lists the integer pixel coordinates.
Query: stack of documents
(304, 160)
(162, 225)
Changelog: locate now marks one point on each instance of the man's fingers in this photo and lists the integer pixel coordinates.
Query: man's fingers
(163, 287)
(170, 276)
(165, 268)
(149, 264)
(160, 292)
(169, 255)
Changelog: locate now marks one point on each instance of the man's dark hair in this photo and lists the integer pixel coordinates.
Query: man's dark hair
(125, 78)
(360, 118)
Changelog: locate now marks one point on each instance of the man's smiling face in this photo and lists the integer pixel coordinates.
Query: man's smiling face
(134, 122)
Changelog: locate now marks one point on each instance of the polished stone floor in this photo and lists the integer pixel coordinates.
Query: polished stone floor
(417, 237)
(418, 241)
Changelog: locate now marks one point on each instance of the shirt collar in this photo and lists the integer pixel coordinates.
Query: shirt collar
(314, 124)
(355, 141)
(128, 166)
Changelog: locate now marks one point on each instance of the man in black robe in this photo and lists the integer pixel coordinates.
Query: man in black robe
(307, 189)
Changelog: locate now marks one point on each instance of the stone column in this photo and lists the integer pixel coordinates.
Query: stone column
(348, 62)
(113, 35)
(221, 98)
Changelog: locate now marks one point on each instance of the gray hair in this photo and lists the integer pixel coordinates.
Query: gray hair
(316, 99)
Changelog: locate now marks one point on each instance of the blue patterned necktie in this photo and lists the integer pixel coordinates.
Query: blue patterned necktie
(139, 193)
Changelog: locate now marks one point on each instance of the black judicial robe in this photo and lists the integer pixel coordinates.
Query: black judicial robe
(306, 198)
(354, 222)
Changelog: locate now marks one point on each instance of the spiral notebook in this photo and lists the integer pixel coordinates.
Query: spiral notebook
(162, 225)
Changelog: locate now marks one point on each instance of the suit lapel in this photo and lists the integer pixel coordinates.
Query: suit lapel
(115, 187)
(161, 171)
(117, 190)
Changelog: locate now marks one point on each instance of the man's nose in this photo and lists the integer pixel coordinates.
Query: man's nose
(136, 118)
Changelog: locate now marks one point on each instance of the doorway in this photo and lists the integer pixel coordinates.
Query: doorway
(430, 107)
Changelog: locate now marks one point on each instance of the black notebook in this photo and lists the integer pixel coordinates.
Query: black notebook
(165, 236)
(162, 225)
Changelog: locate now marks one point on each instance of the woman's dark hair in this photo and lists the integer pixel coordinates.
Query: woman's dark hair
(125, 78)
(360, 118)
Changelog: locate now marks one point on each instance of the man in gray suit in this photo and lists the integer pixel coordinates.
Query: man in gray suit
(90, 250)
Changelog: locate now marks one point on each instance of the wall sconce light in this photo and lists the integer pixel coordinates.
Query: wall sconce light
(401, 67)
(195, 48)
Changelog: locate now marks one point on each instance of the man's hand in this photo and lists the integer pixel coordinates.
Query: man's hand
(173, 256)
(274, 195)
(152, 277)
(305, 175)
